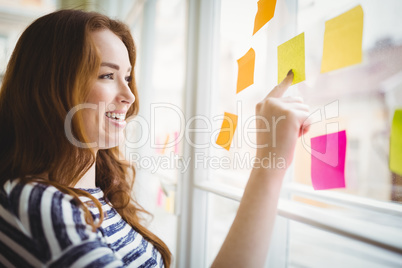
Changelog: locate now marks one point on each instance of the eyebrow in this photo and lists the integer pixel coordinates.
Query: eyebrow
(114, 66)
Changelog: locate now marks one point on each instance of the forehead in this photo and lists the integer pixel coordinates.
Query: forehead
(111, 47)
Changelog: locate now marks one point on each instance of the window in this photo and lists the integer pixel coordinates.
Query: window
(15, 16)
(153, 137)
(344, 226)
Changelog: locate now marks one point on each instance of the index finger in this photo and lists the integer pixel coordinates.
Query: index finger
(280, 89)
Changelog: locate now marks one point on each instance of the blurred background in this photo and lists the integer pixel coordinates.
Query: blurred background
(187, 72)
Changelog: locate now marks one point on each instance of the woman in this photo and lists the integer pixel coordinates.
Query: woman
(65, 195)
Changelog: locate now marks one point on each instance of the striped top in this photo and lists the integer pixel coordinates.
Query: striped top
(43, 227)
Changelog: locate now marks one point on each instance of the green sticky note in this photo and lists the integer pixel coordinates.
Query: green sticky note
(291, 56)
(395, 150)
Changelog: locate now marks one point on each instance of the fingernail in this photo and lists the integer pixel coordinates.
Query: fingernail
(290, 72)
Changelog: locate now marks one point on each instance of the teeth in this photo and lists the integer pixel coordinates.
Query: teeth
(115, 116)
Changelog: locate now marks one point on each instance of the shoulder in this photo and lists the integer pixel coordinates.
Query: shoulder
(33, 199)
(45, 225)
(41, 215)
(34, 207)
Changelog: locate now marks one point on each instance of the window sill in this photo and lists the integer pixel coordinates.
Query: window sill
(375, 234)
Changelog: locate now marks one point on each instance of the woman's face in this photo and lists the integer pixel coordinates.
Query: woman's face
(110, 96)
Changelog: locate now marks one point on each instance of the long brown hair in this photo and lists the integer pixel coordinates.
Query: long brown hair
(50, 71)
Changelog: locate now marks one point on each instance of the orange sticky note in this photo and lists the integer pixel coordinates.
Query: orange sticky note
(291, 55)
(166, 142)
(266, 10)
(228, 129)
(343, 40)
(245, 76)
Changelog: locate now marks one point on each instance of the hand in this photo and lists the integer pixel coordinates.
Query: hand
(285, 116)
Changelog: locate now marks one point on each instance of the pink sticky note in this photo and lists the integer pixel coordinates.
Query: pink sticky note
(159, 197)
(328, 161)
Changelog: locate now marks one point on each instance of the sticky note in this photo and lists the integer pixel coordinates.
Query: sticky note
(343, 40)
(265, 12)
(166, 142)
(228, 129)
(395, 150)
(328, 154)
(169, 205)
(159, 197)
(245, 76)
(291, 56)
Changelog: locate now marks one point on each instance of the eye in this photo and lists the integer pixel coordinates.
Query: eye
(128, 78)
(106, 76)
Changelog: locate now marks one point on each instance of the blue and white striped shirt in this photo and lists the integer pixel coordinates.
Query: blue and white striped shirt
(43, 227)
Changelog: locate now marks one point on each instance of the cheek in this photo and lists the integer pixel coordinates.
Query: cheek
(97, 94)
(98, 97)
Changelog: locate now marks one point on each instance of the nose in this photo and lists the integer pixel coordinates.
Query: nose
(125, 94)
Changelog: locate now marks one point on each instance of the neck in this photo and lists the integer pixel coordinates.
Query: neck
(88, 180)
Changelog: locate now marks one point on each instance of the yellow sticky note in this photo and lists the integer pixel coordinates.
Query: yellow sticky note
(266, 10)
(228, 129)
(169, 205)
(291, 56)
(245, 76)
(395, 150)
(343, 40)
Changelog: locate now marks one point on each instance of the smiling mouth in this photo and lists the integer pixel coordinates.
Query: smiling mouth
(116, 116)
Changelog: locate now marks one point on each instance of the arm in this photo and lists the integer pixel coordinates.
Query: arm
(246, 244)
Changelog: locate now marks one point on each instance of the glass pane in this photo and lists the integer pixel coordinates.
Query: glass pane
(29, 5)
(365, 95)
(168, 86)
(156, 161)
(314, 248)
(234, 41)
(221, 214)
